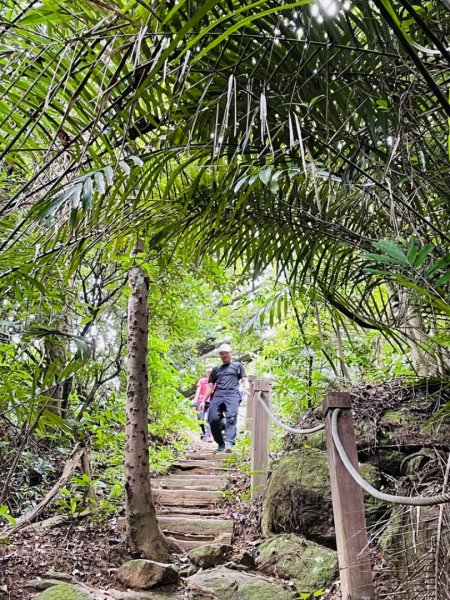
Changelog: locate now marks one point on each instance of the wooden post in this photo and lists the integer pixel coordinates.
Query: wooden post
(348, 506)
(260, 436)
(249, 404)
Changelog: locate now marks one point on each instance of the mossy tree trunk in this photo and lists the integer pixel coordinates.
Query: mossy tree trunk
(144, 535)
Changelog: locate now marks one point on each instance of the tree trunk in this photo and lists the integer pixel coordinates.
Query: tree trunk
(144, 535)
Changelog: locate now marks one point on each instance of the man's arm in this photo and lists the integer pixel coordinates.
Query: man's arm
(244, 380)
(211, 383)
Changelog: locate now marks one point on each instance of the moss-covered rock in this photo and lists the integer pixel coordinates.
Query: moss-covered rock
(409, 539)
(315, 440)
(208, 556)
(64, 591)
(143, 574)
(226, 584)
(311, 566)
(298, 497)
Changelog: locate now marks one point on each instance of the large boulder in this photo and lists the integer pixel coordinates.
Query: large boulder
(143, 574)
(226, 584)
(208, 556)
(64, 591)
(298, 497)
(311, 566)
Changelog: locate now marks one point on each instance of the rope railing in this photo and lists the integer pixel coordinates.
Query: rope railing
(288, 428)
(406, 500)
(391, 498)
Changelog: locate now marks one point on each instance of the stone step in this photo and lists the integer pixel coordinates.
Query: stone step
(186, 497)
(185, 526)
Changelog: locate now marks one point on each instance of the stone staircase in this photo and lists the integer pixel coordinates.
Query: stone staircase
(187, 500)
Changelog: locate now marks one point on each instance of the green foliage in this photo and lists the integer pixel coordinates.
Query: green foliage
(4, 514)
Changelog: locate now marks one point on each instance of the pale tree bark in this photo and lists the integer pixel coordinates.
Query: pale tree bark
(424, 359)
(144, 535)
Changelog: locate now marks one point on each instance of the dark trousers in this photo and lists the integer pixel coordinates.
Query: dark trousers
(220, 408)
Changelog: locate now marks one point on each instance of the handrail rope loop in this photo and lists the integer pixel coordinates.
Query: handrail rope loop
(283, 425)
(408, 500)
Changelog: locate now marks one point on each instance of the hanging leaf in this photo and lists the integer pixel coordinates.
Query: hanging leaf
(265, 175)
(86, 196)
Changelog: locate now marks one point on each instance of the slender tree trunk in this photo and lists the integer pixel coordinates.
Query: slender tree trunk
(340, 351)
(144, 535)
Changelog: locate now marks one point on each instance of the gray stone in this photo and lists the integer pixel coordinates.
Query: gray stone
(42, 584)
(292, 557)
(208, 556)
(59, 575)
(226, 584)
(143, 574)
(245, 559)
(64, 591)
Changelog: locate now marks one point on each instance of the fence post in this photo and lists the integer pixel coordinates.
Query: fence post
(348, 505)
(249, 404)
(260, 436)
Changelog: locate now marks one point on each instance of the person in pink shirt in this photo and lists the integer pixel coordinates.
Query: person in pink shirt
(201, 404)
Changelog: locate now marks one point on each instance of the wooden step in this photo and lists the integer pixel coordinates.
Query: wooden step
(191, 479)
(208, 528)
(191, 511)
(189, 544)
(200, 467)
(186, 497)
(180, 485)
(211, 456)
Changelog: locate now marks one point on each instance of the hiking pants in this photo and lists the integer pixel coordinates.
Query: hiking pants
(219, 408)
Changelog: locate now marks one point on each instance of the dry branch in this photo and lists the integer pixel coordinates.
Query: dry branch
(78, 455)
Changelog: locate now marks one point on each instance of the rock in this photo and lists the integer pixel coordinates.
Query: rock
(64, 591)
(208, 556)
(188, 570)
(245, 559)
(315, 440)
(143, 574)
(311, 566)
(51, 574)
(42, 584)
(373, 508)
(409, 543)
(225, 584)
(298, 497)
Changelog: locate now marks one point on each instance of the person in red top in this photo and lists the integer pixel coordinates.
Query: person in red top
(201, 403)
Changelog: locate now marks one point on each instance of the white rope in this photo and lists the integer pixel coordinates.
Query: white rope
(283, 425)
(408, 500)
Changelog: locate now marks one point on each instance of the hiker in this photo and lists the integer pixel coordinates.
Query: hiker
(224, 386)
(201, 404)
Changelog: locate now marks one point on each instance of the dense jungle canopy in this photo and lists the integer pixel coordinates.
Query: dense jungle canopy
(277, 171)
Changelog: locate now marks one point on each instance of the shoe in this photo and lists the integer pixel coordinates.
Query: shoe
(228, 448)
(207, 437)
(221, 449)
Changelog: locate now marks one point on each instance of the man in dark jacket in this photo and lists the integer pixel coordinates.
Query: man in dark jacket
(224, 381)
